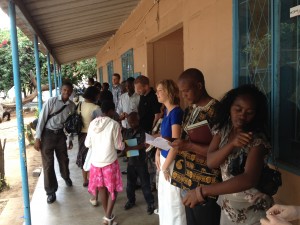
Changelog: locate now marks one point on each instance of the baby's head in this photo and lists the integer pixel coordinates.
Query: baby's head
(133, 120)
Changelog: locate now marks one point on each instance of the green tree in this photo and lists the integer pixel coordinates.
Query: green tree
(26, 62)
(75, 71)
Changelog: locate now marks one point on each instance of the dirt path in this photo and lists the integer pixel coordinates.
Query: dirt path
(9, 130)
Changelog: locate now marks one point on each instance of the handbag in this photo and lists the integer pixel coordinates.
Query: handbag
(270, 179)
(74, 124)
(87, 162)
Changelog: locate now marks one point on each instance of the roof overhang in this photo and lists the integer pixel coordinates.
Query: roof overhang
(71, 30)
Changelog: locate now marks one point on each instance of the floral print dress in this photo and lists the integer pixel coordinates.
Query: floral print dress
(246, 207)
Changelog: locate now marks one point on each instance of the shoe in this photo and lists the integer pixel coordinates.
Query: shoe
(124, 172)
(69, 182)
(150, 209)
(94, 202)
(129, 205)
(156, 212)
(85, 184)
(51, 198)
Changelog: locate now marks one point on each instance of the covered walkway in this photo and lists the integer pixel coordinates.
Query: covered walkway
(72, 206)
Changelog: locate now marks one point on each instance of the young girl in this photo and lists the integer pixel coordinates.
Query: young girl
(171, 210)
(104, 136)
(239, 133)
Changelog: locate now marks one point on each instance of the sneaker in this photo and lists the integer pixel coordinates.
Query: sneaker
(150, 209)
(129, 205)
(156, 212)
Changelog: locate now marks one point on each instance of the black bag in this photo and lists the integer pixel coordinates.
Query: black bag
(270, 179)
(74, 124)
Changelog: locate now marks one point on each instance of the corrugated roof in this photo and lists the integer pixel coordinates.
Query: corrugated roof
(71, 29)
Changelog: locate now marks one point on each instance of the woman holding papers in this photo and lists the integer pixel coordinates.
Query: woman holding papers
(171, 209)
(239, 147)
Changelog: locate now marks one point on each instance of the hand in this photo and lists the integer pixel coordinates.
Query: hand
(190, 200)
(179, 144)
(70, 145)
(157, 159)
(241, 139)
(122, 116)
(166, 173)
(37, 144)
(285, 212)
(273, 220)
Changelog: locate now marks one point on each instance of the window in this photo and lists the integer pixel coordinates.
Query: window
(101, 75)
(266, 53)
(127, 64)
(110, 72)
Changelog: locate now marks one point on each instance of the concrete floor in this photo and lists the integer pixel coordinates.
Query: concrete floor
(72, 206)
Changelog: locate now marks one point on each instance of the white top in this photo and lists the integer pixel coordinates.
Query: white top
(128, 104)
(104, 137)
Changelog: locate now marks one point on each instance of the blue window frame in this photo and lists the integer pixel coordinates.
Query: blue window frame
(266, 53)
(101, 75)
(110, 72)
(127, 64)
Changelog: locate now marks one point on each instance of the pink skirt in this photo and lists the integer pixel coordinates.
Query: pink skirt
(108, 176)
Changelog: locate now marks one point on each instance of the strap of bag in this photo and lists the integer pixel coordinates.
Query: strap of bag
(54, 114)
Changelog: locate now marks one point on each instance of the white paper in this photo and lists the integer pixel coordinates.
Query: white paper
(158, 142)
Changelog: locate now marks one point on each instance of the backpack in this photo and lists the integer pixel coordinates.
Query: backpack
(74, 124)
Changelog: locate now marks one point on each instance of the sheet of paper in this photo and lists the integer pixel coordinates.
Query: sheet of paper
(158, 142)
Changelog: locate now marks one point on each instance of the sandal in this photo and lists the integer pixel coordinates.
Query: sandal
(107, 221)
(94, 202)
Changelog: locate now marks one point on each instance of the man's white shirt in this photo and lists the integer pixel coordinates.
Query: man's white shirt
(128, 104)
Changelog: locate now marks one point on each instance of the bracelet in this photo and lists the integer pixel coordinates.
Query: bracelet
(199, 195)
(166, 171)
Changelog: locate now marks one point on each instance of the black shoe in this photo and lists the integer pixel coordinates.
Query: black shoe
(129, 205)
(69, 182)
(51, 198)
(124, 172)
(150, 209)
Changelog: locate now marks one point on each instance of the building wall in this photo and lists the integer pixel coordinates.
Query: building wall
(207, 35)
(207, 45)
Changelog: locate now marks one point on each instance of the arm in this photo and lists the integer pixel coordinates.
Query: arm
(176, 130)
(156, 118)
(118, 139)
(273, 220)
(216, 156)
(242, 182)
(185, 145)
(41, 125)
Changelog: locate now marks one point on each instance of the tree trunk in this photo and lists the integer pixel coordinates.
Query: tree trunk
(30, 97)
(2, 172)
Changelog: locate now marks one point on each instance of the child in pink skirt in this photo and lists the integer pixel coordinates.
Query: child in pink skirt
(104, 137)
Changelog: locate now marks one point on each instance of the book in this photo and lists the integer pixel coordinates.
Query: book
(199, 132)
(132, 142)
(158, 142)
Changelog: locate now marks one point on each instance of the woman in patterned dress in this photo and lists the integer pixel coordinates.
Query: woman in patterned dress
(240, 132)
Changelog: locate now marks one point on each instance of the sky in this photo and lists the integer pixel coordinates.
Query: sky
(4, 20)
